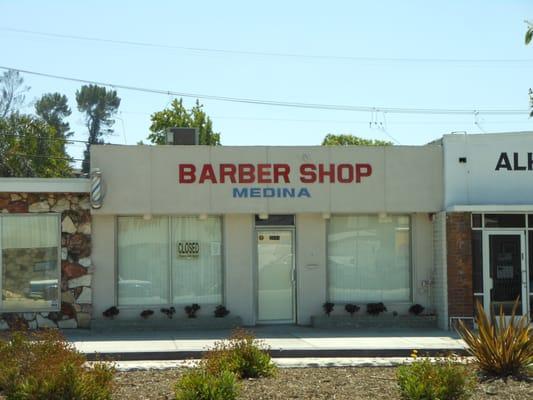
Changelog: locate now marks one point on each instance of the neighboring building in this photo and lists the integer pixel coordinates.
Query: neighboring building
(273, 232)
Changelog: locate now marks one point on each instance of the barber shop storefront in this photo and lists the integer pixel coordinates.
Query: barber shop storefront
(271, 234)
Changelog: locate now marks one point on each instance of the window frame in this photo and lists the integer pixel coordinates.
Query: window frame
(411, 250)
(55, 308)
(169, 265)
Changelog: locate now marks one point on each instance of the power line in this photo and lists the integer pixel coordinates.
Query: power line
(275, 103)
(274, 54)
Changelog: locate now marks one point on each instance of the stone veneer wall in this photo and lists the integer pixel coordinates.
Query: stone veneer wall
(459, 260)
(76, 268)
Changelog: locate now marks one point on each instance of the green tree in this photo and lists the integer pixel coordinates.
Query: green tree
(177, 116)
(12, 92)
(29, 148)
(99, 106)
(529, 32)
(351, 140)
(53, 109)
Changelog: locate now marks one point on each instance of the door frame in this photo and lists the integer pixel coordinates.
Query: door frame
(487, 280)
(274, 228)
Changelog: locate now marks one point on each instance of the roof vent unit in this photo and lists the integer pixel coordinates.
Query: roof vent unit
(183, 136)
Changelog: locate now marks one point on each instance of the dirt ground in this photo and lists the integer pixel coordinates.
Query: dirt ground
(308, 383)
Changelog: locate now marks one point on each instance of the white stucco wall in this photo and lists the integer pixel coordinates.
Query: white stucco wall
(478, 182)
(439, 273)
(239, 261)
(310, 266)
(144, 179)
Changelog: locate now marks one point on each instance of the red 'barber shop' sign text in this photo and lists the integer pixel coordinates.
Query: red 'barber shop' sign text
(247, 173)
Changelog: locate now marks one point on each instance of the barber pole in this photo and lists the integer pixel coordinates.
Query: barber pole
(96, 189)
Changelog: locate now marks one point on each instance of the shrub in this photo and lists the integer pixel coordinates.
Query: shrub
(44, 366)
(500, 347)
(242, 355)
(441, 380)
(200, 384)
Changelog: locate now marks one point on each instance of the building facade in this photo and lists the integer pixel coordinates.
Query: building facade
(272, 233)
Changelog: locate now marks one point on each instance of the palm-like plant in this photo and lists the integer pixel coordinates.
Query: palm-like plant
(501, 346)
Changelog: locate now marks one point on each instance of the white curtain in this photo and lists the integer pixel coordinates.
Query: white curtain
(31, 231)
(143, 261)
(197, 279)
(369, 258)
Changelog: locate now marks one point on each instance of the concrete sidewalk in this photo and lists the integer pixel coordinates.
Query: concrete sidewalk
(284, 342)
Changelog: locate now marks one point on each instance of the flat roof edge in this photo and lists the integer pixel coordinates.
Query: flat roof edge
(490, 208)
(45, 185)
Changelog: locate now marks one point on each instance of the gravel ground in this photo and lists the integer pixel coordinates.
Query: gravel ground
(308, 383)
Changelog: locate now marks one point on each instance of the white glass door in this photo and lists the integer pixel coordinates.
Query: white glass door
(275, 276)
(504, 270)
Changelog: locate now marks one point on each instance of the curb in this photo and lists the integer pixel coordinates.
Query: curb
(278, 353)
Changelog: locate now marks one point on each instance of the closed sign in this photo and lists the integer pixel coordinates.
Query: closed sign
(188, 248)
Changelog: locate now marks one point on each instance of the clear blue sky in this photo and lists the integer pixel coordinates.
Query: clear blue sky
(455, 29)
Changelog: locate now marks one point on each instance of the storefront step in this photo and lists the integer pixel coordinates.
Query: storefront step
(200, 323)
(378, 321)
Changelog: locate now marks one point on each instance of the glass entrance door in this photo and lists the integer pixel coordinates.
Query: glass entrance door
(504, 271)
(275, 276)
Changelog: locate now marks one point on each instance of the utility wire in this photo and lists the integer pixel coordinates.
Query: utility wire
(274, 54)
(275, 103)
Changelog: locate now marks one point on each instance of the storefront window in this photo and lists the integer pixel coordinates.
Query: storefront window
(169, 260)
(143, 261)
(477, 261)
(196, 272)
(505, 221)
(369, 258)
(30, 262)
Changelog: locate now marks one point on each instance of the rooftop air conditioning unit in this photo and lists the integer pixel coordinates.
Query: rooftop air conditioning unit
(183, 136)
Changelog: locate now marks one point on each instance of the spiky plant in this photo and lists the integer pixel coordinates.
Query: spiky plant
(502, 346)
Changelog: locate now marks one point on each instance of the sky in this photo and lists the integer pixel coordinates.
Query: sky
(359, 44)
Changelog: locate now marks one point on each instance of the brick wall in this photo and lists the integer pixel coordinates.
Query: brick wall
(459, 269)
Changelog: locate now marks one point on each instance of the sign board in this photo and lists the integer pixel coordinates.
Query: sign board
(188, 248)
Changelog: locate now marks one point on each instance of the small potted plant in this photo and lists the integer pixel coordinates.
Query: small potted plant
(328, 307)
(169, 312)
(351, 309)
(221, 311)
(145, 314)
(375, 308)
(192, 310)
(416, 309)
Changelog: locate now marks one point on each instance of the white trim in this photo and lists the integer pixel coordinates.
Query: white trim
(491, 208)
(45, 185)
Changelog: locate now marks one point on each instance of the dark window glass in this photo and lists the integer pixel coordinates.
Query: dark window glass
(477, 299)
(476, 220)
(279, 220)
(505, 221)
(477, 261)
(530, 252)
(530, 220)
